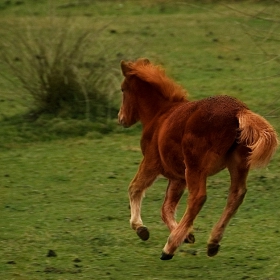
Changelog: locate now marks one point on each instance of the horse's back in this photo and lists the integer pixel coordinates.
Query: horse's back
(212, 118)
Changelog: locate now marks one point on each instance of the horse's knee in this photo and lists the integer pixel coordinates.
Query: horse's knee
(134, 192)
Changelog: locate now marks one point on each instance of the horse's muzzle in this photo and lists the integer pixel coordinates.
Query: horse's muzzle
(122, 121)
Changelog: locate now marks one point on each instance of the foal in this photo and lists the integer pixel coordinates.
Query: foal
(186, 142)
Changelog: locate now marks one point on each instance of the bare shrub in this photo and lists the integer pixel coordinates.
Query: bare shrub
(66, 71)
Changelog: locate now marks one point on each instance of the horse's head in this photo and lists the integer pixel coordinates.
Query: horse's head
(128, 113)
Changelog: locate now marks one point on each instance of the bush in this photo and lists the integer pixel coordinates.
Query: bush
(65, 71)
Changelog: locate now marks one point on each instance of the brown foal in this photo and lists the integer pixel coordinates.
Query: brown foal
(187, 141)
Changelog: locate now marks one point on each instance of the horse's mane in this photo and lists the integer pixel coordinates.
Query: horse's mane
(155, 75)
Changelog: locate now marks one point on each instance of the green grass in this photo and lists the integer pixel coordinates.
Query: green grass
(64, 182)
(70, 196)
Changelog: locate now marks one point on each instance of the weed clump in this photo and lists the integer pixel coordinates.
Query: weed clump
(66, 72)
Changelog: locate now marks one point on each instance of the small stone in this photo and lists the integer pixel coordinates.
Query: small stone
(51, 254)
(192, 252)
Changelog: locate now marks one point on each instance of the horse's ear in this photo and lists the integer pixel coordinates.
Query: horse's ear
(145, 61)
(125, 67)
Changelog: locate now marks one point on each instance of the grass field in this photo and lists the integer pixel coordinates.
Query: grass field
(64, 206)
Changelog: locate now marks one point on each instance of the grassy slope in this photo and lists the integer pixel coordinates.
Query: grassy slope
(70, 195)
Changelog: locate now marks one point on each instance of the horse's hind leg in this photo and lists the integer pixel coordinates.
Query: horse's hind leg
(238, 169)
(173, 194)
(196, 182)
(142, 180)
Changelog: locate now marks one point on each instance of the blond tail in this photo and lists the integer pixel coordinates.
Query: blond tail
(258, 135)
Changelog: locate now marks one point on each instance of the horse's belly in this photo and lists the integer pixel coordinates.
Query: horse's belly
(173, 165)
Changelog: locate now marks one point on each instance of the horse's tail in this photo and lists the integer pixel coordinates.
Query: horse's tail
(258, 135)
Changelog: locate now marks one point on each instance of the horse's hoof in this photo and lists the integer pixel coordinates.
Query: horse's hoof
(212, 249)
(166, 257)
(190, 239)
(143, 233)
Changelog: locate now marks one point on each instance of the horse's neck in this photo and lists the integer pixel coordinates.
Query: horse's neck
(151, 109)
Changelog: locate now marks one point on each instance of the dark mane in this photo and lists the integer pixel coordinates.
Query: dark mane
(156, 76)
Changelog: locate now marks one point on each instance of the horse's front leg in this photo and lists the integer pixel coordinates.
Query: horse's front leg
(174, 192)
(142, 180)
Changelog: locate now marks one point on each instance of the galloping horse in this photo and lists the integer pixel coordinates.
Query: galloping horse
(187, 141)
